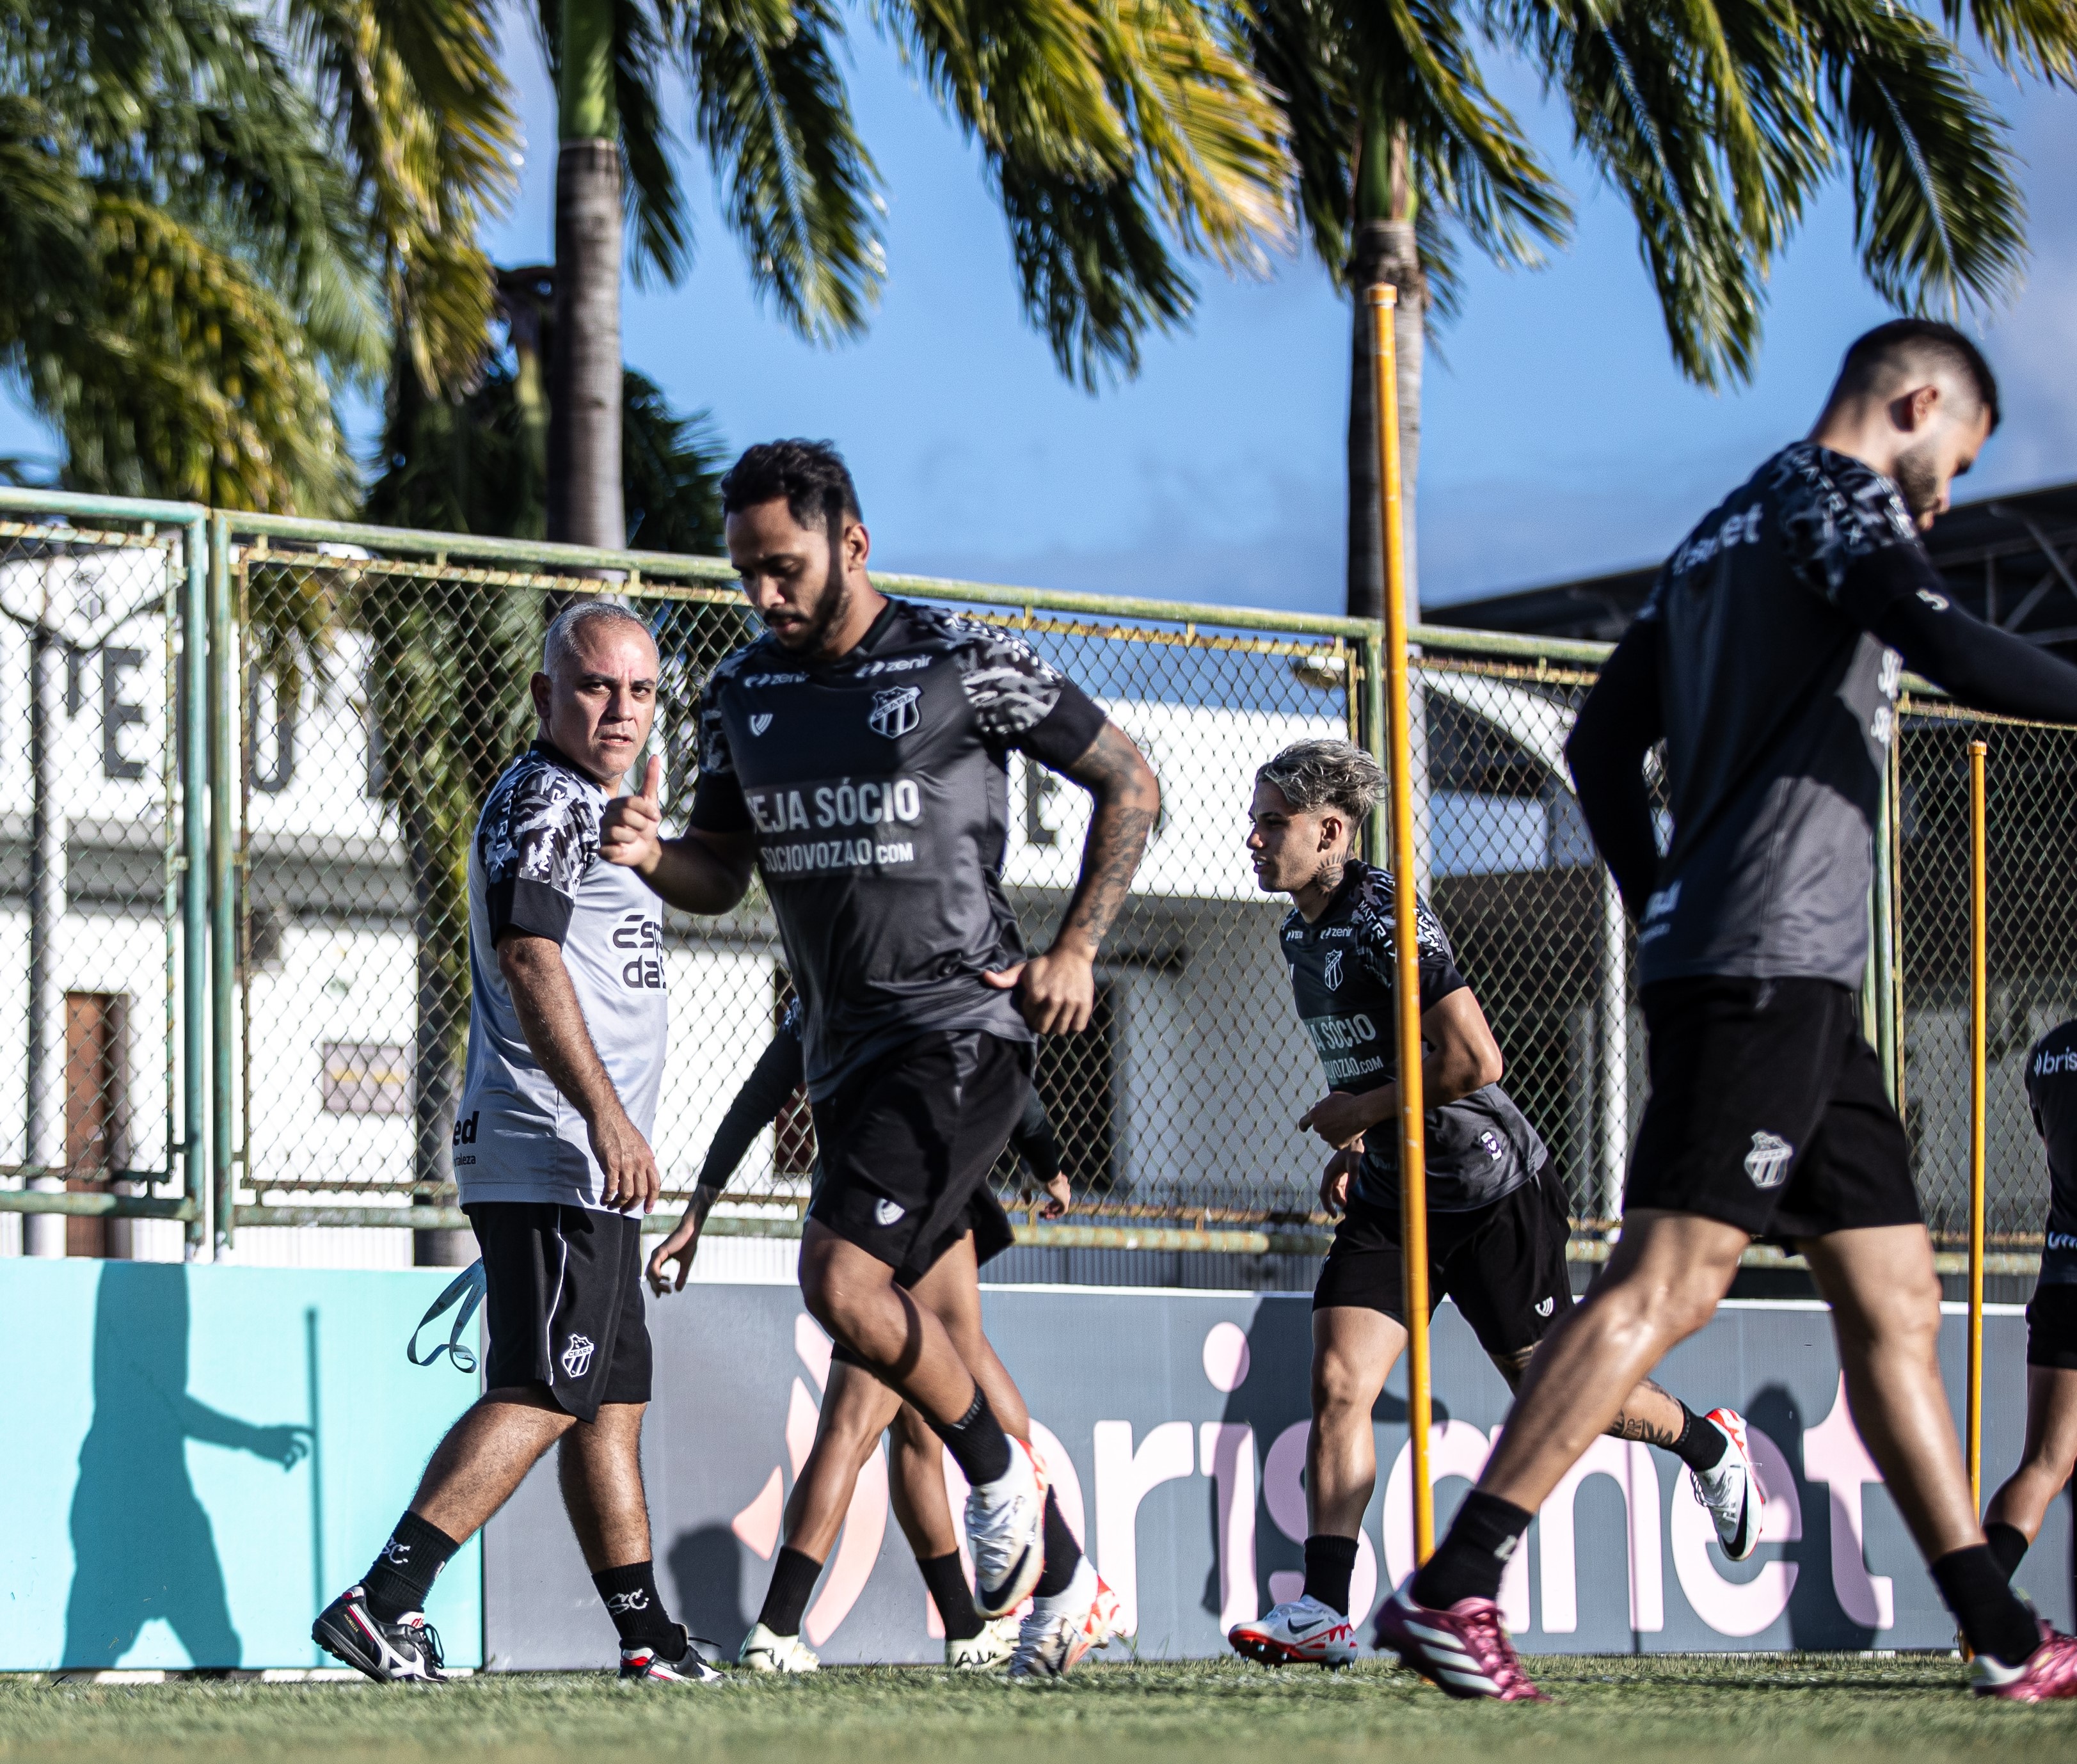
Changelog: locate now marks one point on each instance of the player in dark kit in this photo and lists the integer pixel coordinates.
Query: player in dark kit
(857, 1408)
(2016, 1511)
(1768, 659)
(1497, 1219)
(857, 755)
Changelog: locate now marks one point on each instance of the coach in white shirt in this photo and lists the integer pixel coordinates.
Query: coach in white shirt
(567, 1034)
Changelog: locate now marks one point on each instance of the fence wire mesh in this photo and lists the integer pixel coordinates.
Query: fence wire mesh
(2031, 910)
(89, 792)
(383, 695)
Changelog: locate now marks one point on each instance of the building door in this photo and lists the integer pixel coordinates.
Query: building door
(96, 1059)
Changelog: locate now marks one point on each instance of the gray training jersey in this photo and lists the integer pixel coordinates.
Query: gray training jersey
(877, 786)
(1778, 711)
(1344, 978)
(2051, 1088)
(535, 867)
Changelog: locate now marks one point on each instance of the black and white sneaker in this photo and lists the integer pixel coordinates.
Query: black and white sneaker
(642, 1664)
(405, 1652)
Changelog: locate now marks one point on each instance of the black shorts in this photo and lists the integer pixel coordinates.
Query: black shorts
(992, 1234)
(1768, 1112)
(562, 1302)
(1504, 1264)
(907, 1143)
(2051, 1328)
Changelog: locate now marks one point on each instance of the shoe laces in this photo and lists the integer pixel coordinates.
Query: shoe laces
(429, 1639)
(1495, 1643)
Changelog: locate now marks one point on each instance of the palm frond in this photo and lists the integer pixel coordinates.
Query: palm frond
(2024, 37)
(188, 378)
(799, 187)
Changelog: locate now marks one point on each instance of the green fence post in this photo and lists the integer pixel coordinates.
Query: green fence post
(222, 901)
(193, 729)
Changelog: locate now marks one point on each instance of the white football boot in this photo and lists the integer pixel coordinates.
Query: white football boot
(1731, 1491)
(1005, 1529)
(1059, 1630)
(984, 1653)
(762, 1651)
(1300, 1632)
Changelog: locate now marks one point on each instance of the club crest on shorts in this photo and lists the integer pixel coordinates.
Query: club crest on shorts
(894, 712)
(888, 1211)
(1767, 1163)
(1331, 972)
(1544, 1306)
(577, 1355)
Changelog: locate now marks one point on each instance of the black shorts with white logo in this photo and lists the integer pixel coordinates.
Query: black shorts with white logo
(1504, 1264)
(2051, 1328)
(908, 1141)
(1768, 1112)
(562, 1302)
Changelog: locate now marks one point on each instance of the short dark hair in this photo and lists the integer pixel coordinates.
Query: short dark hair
(1905, 346)
(810, 475)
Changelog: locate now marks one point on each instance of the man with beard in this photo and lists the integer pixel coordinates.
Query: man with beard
(857, 755)
(1768, 659)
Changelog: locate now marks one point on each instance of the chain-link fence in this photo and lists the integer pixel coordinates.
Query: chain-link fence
(2031, 906)
(91, 825)
(383, 693)
(364, 688)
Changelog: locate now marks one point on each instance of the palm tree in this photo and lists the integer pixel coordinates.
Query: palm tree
(1114, 132)
(1716, 122)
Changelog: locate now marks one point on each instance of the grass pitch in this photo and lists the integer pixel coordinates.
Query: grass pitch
(1810, 1709)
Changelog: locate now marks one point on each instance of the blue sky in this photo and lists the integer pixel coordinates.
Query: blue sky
(1559, 440)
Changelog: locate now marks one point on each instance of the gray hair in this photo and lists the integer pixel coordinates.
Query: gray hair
(1316, 774)
(559, 647)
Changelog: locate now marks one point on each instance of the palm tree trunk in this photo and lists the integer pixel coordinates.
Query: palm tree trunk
(585, 504)
(1384, 251)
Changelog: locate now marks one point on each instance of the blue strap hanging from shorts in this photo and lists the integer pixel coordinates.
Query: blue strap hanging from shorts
(465, 1292)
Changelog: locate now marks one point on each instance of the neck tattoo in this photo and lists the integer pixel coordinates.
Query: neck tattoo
(1329, 875)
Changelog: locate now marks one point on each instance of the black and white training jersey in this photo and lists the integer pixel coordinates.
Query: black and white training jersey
(1778, 709)
(1344, 979)
(876, 784)
(535, 867)
(2051, 1088)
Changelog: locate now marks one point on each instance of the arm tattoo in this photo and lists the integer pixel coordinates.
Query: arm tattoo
(1127, 800)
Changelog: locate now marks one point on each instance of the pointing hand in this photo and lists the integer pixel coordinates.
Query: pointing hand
(630, 832)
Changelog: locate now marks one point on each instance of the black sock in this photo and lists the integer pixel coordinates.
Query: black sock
(793, 1577)
(2008, 1545)
(637, 1608)
(1470, 1560)
(1329, 1562)
(1064, 1555)
(1702, 1443)
(946, 1576)
(1988, 1611)
(976, 1441)
(403, 1577)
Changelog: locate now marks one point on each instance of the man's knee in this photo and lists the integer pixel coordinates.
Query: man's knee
(1341, 1382)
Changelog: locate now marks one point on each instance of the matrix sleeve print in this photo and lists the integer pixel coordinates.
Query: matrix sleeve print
(717, 804)
(538, 838)
(1019, 699)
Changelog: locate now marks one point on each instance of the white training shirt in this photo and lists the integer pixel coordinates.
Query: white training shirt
(535, 867)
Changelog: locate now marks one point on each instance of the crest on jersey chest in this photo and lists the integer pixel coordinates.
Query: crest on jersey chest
(896, 711)
(1331, 972)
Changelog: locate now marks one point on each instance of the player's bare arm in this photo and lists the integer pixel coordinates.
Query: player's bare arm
(553, 1020)
(700, 872)
(1462, 1057)
(1058, 988)
(684, 1242)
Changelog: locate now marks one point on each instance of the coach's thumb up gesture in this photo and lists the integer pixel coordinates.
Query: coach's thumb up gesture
(631, 831)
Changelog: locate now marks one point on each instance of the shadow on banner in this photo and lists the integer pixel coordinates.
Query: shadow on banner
(143, 1546)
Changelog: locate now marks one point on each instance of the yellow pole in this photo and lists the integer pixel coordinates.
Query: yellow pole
(1413, 1136)
(1978, 1001)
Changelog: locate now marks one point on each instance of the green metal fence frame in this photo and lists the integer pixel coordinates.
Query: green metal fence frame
(211, 1142)
(192, 861)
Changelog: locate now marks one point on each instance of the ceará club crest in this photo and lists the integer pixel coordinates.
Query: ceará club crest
(895, 711)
